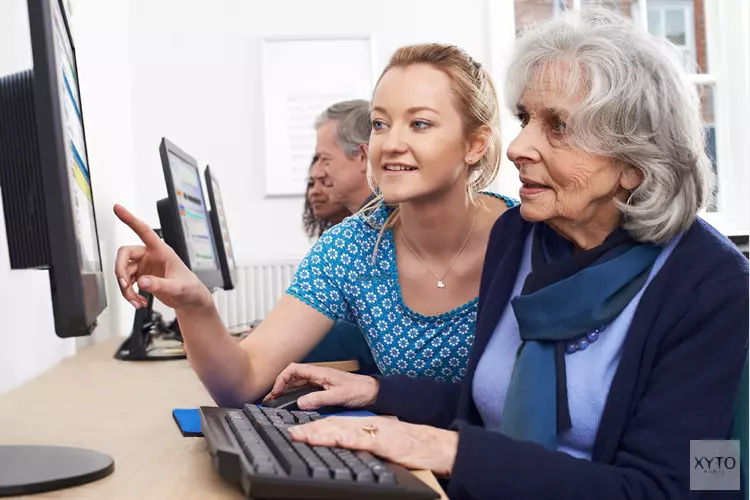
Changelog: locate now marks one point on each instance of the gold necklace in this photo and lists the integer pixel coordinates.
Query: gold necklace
(440, 283)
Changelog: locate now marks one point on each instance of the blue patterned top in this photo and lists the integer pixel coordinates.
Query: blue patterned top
(339, 279)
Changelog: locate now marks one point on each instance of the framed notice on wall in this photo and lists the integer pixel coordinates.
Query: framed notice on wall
(301, 78)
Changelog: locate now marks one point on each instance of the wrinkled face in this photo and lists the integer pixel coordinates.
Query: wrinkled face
(417, 144)
(561, 183)
(318, 194)
(344, 175)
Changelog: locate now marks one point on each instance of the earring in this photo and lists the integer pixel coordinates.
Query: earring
(468, 160)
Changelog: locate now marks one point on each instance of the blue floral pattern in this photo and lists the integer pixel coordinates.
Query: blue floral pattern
(340, 278)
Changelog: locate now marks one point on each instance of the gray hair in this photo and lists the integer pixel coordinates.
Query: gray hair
(640, 108)
(354, 124)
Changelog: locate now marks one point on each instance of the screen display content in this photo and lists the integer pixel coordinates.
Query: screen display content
(75, 146)
(193, 214)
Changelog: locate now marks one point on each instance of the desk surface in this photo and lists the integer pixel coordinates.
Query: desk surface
(123, 409)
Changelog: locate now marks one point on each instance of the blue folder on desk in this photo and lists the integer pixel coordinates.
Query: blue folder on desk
(189, 419)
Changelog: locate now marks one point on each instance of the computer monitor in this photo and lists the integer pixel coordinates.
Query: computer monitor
(220, 229)
(184, 215)
(46, 182)
(50, 221)
(185, 227)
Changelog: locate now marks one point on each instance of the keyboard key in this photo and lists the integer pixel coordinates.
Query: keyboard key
(320, 472)
(244, 434)
(347, 457)
(359, 468)
(364, 476)
(283, 451)
(307, 454)
(252, 409)
(378, 469)
(341, 473)
(368, 458)
(327, 455)
(337, 467)
(265, 469)
(260, 458)
(254, 414)
(387, 478)
(288, 419)
(251, 443)
(289, 460)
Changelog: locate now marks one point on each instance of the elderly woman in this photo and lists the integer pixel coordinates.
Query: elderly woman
(613, 322)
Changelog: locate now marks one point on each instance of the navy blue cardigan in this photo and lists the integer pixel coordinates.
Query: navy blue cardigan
(676, 381)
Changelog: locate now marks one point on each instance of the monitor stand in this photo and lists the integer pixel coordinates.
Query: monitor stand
(140, 345)
(34, 469)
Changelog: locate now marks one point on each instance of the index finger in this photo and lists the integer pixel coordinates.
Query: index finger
(144, 232)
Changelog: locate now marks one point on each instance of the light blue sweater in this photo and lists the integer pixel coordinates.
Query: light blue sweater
(589, 373)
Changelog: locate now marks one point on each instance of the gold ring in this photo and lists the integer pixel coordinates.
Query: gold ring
(370, 429)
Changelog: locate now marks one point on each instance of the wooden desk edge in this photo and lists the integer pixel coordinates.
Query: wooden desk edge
(428, 478)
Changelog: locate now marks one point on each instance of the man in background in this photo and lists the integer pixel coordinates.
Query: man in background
(340, 165)
(343, 134)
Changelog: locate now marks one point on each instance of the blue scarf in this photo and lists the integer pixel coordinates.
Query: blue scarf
(565, 296)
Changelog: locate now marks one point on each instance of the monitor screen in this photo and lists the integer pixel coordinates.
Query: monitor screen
(75, 146)
(219, 207)
(193, 214)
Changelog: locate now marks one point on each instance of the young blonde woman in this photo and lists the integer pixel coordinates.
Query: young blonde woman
(407, 271)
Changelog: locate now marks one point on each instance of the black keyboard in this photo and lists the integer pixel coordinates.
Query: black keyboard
(252, 449)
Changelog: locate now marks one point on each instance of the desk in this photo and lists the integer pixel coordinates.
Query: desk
(123, 409)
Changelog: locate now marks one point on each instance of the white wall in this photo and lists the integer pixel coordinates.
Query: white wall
(15, 47)
(101, 32)
(28, 344)
(197, 80)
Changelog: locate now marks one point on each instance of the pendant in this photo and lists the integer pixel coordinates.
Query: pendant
(441, 284)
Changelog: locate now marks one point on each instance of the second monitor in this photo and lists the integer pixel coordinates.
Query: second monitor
(221, 231)
(183, 216)
(185, 227)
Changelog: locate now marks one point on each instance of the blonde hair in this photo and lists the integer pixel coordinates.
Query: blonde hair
(476, 100)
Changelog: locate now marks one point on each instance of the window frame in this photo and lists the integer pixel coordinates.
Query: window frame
(688, 11)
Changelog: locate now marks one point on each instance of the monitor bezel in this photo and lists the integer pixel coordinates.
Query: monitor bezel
(68, 281)
(229, 272)
(212, 278)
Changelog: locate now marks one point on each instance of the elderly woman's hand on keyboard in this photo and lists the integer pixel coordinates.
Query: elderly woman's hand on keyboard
(416, 447)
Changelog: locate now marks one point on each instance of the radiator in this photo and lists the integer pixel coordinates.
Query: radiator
(258, 287)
